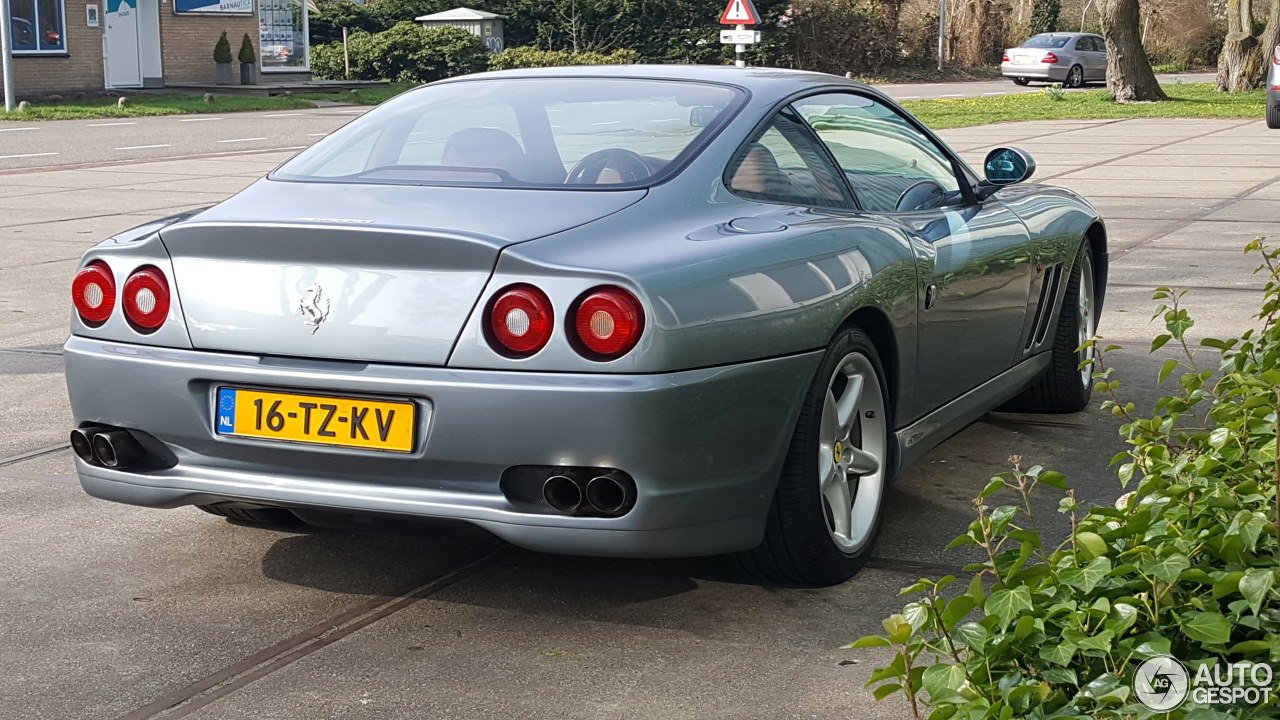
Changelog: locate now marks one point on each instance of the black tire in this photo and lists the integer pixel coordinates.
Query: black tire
(261, 517)
(1062, 388)
(1273, 114)
(1075, 77)
(1020, 81)
(798, 548)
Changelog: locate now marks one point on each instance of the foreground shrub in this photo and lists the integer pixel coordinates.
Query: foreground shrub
(407, 52)
(1185, 565)
(531, 57)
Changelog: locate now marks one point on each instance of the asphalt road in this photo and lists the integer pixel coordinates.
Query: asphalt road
(81, 142)
(110, 611)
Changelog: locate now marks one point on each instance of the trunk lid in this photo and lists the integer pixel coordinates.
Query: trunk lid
(1025, 55)
(375, 273)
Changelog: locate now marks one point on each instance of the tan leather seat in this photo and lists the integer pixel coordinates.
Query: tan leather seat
(758, 172)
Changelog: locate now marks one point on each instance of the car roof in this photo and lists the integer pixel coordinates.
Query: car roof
(1068, 34)
(760, 79)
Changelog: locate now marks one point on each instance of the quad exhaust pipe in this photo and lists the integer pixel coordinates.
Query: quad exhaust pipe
(608, 495)
(116, 449)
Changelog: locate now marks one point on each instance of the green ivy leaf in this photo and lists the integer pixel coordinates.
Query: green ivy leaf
(1250, 647)
(1227, 584)
(885, 691)
(1166, 569)
(1006, 604)
(1059, 654)
(1092, 544)
(976, 591)
(943, 681)
(1053, 479)
(956, 610)
(868, 641)
(1160, 341)
(1087, 577)
(1169, 366)
(917, 614)
(971, 634)
(1255, 585)
(1210, 628)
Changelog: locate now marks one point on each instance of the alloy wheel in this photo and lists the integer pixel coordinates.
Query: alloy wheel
(1086, 323)
(852, 452)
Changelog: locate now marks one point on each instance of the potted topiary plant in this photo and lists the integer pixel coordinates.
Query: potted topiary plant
(222, 59)
(247, 59)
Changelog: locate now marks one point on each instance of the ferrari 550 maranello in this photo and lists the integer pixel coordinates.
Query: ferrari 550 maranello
(625, 311)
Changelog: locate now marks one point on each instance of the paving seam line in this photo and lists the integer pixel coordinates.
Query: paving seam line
(140, 161)
(911, 566)
(143, 211)
(37, 331)
(31, 454)
(186, 701)
(31, 351)
(1174, 286)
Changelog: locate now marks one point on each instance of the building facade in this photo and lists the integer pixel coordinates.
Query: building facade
(69, 46)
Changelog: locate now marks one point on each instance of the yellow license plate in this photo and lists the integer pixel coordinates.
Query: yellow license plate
(320, 420)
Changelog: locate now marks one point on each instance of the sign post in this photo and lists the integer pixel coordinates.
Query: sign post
(740, 14)
(6, 54)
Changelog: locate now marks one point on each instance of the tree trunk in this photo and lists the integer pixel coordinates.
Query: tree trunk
(1242, 65)
(1129, 75)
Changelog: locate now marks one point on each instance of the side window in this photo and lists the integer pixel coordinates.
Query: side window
(880, 153)
(1085, 44)
(784, 164)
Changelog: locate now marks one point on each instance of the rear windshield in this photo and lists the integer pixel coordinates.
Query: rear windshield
(581, 133)
(1047, 41)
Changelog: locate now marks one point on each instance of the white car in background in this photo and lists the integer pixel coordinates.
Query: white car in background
(1273, 91)
(1072, 59)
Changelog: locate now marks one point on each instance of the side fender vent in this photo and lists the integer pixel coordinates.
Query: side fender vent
(1044, 306)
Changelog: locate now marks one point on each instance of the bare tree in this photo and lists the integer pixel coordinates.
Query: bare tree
(1129, 74)
(1243, 61)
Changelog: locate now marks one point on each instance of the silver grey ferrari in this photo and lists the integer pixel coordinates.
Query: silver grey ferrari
(623, 311)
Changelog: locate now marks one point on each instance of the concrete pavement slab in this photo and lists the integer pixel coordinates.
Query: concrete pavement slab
(149, 601)
(1212, 175)
(1270, 192)
(1203, 268)
(80, 180)
(1241, 159)
(1217, 235)
(1132, 189)
(1249, 210)
(1159, 209)
(545, 636)
(91, 229)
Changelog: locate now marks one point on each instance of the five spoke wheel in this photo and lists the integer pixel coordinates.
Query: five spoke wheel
(851, 452)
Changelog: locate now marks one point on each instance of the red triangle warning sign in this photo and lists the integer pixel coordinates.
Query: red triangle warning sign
(740, 12)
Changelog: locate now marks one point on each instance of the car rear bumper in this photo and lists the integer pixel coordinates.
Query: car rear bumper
(1036, 71)
(705, 447)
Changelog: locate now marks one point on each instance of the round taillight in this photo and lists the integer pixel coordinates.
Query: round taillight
(519, 321)
(146, 299)
(607, 323)
(93, 292)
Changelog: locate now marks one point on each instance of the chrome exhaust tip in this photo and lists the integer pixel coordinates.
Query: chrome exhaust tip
(562, 493)
(116, 449)
(82, 444)
(611, 494)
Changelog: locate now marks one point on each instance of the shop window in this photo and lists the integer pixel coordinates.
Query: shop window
(37, 26)
(282, 34)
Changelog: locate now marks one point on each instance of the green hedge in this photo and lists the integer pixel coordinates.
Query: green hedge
(407, 52)
(531, 57)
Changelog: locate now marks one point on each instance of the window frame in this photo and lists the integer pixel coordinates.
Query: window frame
(35, 20)
(964, 175)
(847, 201)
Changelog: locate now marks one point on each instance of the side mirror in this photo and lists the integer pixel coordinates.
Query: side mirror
(1006, 166)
